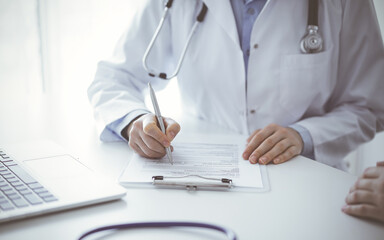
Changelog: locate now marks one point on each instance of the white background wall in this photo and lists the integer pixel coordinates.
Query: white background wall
(48, 55)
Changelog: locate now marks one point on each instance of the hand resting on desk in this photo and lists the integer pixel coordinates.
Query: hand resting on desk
(146, 138)
(366, 196)
(273, 144)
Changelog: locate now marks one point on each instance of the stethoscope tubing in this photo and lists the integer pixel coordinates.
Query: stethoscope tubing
(313, 9)
(153, 73)
(311, 43)
(152, 42)
(228, 232)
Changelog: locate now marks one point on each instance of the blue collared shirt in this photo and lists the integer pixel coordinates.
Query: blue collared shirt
(246, 13)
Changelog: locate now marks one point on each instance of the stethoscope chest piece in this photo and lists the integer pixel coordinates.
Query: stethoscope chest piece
(312, 42)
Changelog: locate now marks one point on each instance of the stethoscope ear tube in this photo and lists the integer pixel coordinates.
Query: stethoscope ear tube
(169, 4)
(200, 18)
(228, 232)
(152, 42)
(202, 13)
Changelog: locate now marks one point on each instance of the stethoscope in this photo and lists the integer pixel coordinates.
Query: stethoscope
(228, 232)
(312, 42)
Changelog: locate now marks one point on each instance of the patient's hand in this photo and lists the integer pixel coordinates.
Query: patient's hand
(366, 197)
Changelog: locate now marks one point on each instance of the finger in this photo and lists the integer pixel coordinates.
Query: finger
(252, 135)
(172, 128)
(258, 155)
(380, 164)
(362, 184)
(372, 172)
(361, 197)
(149, 153)
(256, 141)
(137, 149)
(277, 149)
(150, 128)
(142, 143)
(363, 210)
(151, 143)
(288, 154)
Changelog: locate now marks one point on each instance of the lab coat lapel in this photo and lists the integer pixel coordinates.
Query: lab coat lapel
(223, 13)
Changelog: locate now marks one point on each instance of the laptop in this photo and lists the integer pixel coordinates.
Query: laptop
(41, 177)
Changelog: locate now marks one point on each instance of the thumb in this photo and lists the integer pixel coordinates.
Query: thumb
(172, 128)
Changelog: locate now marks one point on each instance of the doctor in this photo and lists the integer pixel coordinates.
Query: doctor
(244, 70)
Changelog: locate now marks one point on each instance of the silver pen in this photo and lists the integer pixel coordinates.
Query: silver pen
(159, 119)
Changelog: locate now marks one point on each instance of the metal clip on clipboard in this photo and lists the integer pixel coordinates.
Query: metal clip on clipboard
(185, 182)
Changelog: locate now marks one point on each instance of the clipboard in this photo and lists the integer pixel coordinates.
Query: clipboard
(201, 162)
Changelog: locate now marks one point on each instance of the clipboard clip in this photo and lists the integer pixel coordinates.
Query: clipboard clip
(187, 182)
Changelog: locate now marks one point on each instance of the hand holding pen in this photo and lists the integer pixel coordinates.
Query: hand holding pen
(159, 119)
(147, 139)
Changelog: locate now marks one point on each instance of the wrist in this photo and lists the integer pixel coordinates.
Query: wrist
(308, 146)
(127, 129)
(298, 137)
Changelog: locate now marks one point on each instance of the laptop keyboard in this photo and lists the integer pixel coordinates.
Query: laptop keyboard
(18, 189)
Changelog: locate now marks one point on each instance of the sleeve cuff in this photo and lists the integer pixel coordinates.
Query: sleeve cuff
(117, 126)
(308, 150)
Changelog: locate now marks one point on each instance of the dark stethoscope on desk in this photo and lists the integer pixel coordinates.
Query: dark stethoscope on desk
(312, 42)
(140, 225)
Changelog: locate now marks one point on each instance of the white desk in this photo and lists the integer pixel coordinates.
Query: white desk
(304, 202)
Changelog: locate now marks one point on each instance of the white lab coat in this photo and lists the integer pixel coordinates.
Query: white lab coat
(338, 94)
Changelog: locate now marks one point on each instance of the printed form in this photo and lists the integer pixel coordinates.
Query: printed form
(217, 159)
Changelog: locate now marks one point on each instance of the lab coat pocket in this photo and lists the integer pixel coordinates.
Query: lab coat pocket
(303, 82)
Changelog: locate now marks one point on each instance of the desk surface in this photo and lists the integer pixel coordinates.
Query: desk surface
(304, 203)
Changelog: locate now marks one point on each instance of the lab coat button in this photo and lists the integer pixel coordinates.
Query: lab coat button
(255, 45)
(253, 111)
